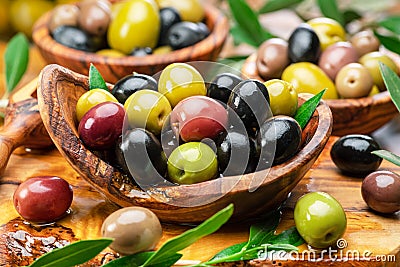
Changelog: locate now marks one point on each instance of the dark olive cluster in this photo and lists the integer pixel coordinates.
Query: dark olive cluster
(109, 29)
(320, 54)
(191, 132)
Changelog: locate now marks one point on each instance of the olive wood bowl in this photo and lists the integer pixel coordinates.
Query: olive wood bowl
(350, 116)
(112, 69)
(58, 91)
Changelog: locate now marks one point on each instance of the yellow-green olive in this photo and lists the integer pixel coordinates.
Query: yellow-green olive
(329, 31)
(282, 96)
(190, 10)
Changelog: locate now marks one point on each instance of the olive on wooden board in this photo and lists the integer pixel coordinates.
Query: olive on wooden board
(272, 58)
(132, 83)
(352, 154)
(304, 45)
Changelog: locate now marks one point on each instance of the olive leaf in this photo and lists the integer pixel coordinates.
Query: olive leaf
(391, 23)
(261, 232)
(72, 254)
(351, 15)
(390, 42)
(330, 9)
(392, 82)
(187, 238)
(389, 156)
(96, 81)
(16, 58)
(290, 236)
(275, 5)
(305, 111)
(139, 258)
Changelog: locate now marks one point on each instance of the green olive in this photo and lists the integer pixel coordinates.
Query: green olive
(90, 99)
(189, 10)
(371, 62)
(110, 53)
(353, 81)
(283, 97)
(136, 24)
(307, 77)
(329, 31)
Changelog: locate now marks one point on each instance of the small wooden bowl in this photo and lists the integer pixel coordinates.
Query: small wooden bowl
(113, 69)
(359, 115)
(58, 92)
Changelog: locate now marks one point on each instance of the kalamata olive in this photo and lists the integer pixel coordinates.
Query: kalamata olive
(221, 86)
(184, 34)
(304, 45)
(365, 42)
(381, 191)
(336, 56)
(141, 51)
(76, 38)
(134, 229)
(352, 154)
(132, 83)
(168, 17)
(272, 58)
(43, 199)
(64, 15)
(95, 16)
(281, 131)
(101, 126)
(353, 81)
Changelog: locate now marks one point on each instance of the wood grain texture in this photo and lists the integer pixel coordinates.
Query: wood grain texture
(113, 69)
(362, 115)
(58, 86)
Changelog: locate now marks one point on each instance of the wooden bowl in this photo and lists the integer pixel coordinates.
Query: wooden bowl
(359, 115)
(113, 69)
(58, 92)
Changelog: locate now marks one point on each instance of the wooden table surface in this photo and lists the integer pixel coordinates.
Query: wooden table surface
(366, 231)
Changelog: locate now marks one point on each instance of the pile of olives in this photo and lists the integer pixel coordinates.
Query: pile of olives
(133, 27)
(319, 54)
(184, 130)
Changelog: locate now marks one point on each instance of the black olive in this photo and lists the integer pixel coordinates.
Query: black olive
(221, 86)
(183, 34)
(279, 139)
(168, 17)
(304, 45)
(131, 84)
(352, 154)
(75, 38)
(203, 30)
(141, 51)
(233, 148)
(250, 102)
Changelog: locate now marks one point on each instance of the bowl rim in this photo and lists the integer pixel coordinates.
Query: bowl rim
(62, 130)
(42, 38)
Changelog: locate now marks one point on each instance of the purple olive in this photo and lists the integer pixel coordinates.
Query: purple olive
(101, 126)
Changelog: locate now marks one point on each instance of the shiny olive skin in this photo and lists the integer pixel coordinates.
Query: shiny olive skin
(101, 126)
(282, 131)
(168, 17)
(336, 56)
(189, 10)
(272, 58)
(304, 45)
(141, 51)
(233, 147)
(380, 190)
(141, 153)
(90, 99)
(329, 31)
(353, 81)
(352, 154)
(365, 42)
(134, 229)
(283, 97)
(64, 15)
(76, 38)
(43, 199)
(132, 83)
(250, 101)
(221, 86)
(94, 17)
(184, 34)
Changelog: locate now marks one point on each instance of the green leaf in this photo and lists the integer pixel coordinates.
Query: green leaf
(72, 254)
(187, 238)
(390, 42)
(392, 82)
(241, 36)
(234, 249)
(262, 232)
(351, 15)
(275, 5)
(140, 258)
(391, 23)
(290, 236)
(96, 81)
(16, 58)
(305, 111)
(389, 156)
(330, 9)
(247, 20)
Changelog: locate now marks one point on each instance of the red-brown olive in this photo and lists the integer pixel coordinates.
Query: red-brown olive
(94, 17)
(304, 45)
(43, 199)
(134, 229)
(352, 154)
(168, 17)
(272, 58)
(381, 191)
(64, 15)
(132, 83)
(336, 56)
(365, 42)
